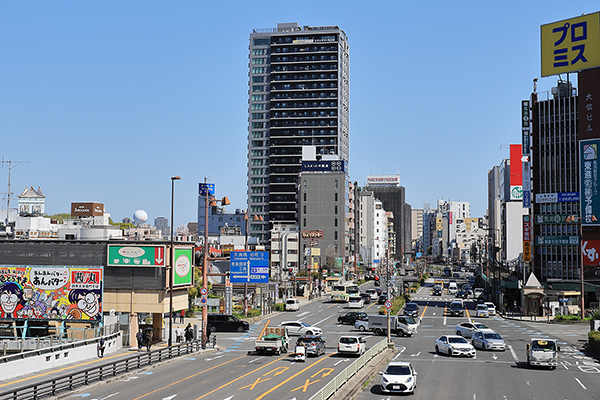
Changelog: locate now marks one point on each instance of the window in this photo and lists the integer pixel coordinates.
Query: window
(257, 162)
(304, 196)
(304, 209)
(258, 70)
(336, 197)
(335, 234)
(256, 171)
(256, 107)
(258, 115)
(257, 190)
(258, 97)
(261, 42)
(336, 184)
(257, 125)
(257, 143)
(256, 181)
(258, 88)
(335, 222)
(304, 222)
(258, 61)
(256, 199)
(256, 208)
(336, 210)
(258, 52)
(257, 134)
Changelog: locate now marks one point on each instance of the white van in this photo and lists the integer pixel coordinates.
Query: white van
(452, 288)
(292, 304)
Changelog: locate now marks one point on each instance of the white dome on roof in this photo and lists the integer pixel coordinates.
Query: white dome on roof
(140, 216)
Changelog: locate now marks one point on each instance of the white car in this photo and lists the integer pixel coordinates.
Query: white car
(355, 302)
(482, 311)
(488, 340)
(398, 377)
(454, 346)
(467, 329)
(301, 328)
(491, 308)
(292, 304)
(372, 293)
(352, 345)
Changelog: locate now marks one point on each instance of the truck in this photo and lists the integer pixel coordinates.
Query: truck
(542, 353)
(401, 325)
(274, 341)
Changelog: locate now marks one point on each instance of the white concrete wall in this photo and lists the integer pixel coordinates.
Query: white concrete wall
(60, 357)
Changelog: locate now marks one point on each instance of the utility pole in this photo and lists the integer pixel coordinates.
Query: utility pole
(10, 166)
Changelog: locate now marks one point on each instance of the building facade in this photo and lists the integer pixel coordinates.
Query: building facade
(298, 96)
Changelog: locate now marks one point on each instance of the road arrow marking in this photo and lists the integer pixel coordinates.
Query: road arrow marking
(229, 398)
(416, 355)
(328, 371)
(341, 361)
(494, 356)
(278, 371)
(193, 358)
(145, 373)
(129, 379)
(81, 395)
(169, 398)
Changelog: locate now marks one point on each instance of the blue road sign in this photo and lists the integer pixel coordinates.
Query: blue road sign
(203, 187)
(249, 267)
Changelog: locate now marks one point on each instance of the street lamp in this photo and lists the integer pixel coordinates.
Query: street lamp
(213, 203)
(247, 219)
(173, 179)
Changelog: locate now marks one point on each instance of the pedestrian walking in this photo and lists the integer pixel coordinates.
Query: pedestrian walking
(101, 346)
(140, 339)
(189, 334)
(148, 339)
(181, 316)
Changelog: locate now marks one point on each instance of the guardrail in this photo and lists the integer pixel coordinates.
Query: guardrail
(53, 386)
(348, 372)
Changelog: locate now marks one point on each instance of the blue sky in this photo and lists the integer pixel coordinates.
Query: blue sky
(106, 100)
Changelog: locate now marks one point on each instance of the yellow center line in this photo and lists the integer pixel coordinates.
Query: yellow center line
(189, 377)
(264, 329)
(243, 376)
(293, 376)
(335, 304)
(467, 311)
(423, 313)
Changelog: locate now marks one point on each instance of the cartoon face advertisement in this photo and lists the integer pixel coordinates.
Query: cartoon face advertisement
(44, 292)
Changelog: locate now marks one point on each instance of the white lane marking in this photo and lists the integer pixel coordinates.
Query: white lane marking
(512, 351)
(341, 361)
(170, 397)
(303, 314)
(255, 359)
(416, 355)
(214, 358)
(323, 320)
(578, 381)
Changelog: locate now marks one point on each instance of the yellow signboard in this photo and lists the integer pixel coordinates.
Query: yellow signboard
(526, 251)
(571, 45)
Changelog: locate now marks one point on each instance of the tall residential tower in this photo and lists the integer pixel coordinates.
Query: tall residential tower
(298, 96)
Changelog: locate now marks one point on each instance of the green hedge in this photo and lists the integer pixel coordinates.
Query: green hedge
(594, 340)
(397, 305)
(279, 307)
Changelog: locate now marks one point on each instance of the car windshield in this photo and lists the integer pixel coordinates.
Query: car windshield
(348, 340)
(492, 336)
(355, 299)
(411, 306)
(304, 324)
(480, 326)
(543, 345)
(410, 320)
(482, 307)
(455, 305)
(398, 370)
(306, 340)
(291, 301)
(457, 340)
(352, 289)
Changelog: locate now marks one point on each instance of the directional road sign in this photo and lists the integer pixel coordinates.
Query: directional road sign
(136, 256)
(249, 266)
(206, 187)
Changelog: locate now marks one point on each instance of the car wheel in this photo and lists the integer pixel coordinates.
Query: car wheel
(449, 352)
(309, 332)
(437, 350)
(240, 329)
(212, 328)
(459, 333)
(361, 328)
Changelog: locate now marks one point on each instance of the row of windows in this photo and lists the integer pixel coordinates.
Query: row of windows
(258, 88)
(289, 123)
(309, 49)
(256, 161)
(256, 171)
(305, 132)
(258, 97)
(256, 153)
(258, 79)
(302, 142)
(258, 143)
(258, 115)
(302, 86)
(258, 61)
(258, 70)
(303, 77)
(295, 59)
(258, 52)
(303, 114)
(258, 106)
(261, 42)
(257, 134)
(304, 95)
(304, 104)
(256, 181)
(306, 67)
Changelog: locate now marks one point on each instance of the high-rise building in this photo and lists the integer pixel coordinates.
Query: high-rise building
(298, 96)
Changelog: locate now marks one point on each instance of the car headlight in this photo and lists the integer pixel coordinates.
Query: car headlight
(384, 380)
(409, 379)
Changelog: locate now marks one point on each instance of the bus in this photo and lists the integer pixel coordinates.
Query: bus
(342, 292)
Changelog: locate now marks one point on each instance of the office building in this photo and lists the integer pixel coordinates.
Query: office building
(298, 96)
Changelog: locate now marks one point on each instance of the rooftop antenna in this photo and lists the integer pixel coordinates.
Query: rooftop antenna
(10, 166)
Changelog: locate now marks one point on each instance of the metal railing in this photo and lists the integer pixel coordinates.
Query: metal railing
(53, 386)
(343, 377)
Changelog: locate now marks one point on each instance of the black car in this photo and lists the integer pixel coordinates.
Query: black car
(437, 291)
(315, 345)
(461, 294)
(351, 317)
(456, 309)
(366, 298)
(411, 309)
(382, 299)
(226, 323)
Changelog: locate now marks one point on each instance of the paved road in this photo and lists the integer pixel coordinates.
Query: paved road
(236, 372)
(493, 375)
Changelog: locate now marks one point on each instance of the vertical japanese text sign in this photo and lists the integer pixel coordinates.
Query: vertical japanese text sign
(588, 176)
(571, 45)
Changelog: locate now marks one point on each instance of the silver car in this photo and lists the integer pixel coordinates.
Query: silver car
(488, 340)
(467, 329)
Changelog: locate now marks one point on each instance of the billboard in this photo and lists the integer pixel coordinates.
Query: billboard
(87, 209)
(588, 103)
(324, 166)
(183, 273)
(588, 176)
(51, 292)
(387, 180)
(249, 266)
(571, 45)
